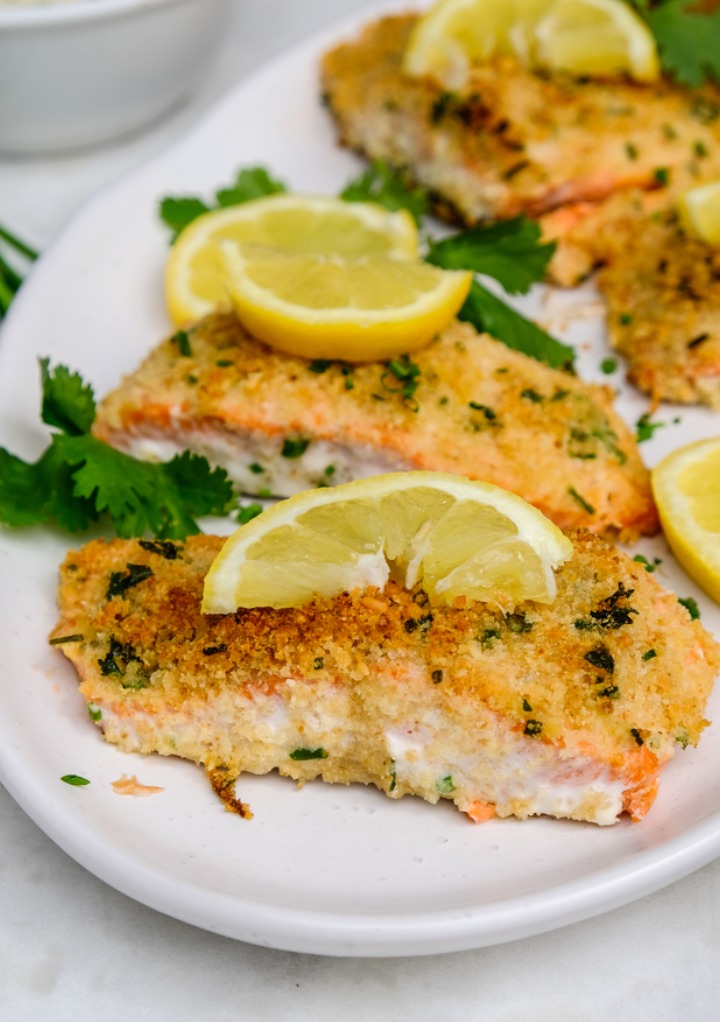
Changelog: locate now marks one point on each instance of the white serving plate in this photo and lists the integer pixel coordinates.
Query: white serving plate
(325, 870)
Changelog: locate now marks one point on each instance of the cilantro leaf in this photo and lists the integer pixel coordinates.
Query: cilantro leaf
(33, 493)
(491, 315)
(67, 401)
(379, 183)
(79, 479)
(21, 491)
(205, 490)
(177, 213)
(510, 251)
(645, 428)
(250, 183)
(140, 496)
(688, 40)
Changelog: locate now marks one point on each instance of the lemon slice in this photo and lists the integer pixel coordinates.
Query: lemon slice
(596, 37)
(300, 223)
(583, 37)
(452, 536)
(324, 306)
(699, 210)
(686, 485)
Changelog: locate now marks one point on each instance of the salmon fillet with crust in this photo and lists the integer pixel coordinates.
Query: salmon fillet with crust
(569, 710)
(515, 140)
(661, 287)
(279, 424)
(662, 290)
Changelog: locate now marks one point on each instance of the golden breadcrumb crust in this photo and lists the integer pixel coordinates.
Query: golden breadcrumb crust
(662, 290)
(515, 140)
(480, 410)
(613, 664)
(663, 294)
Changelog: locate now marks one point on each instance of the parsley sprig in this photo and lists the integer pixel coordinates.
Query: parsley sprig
(511, 252)
(687, 37)
(250, 183)
(389, 189)
(79, 480)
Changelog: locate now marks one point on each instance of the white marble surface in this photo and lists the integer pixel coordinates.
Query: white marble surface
(72, 948)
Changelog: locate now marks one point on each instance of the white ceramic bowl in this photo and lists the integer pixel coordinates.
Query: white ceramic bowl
(78, 73)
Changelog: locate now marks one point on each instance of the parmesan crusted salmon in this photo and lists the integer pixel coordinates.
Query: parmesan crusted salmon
(569, 710)
(661, 287)
(515, 140)
(662, 290)
(466, 404)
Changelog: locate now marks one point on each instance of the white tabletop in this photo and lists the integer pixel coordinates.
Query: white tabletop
(72, 948)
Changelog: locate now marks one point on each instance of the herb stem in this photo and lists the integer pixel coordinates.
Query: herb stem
(6, 295)
(17, 244)
(10, 275)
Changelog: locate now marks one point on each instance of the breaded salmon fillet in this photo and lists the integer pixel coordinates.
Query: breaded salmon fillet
(279, 424)
(661, 287)
(569, 710)
(662, 290)
(516, 140)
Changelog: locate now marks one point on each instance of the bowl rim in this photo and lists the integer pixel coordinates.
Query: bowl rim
(70, 11)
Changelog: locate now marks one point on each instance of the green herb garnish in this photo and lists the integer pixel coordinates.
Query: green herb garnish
(75, 779)
(489, 314)
(511, 251)
(294, 447)
(578, 498)
(10, 277)
(688, 38)
(445, 785)
(80, 480)
(302, 754)
(213, 650)
(247, 512)
(406, 373)
(161, 547)
(182, 339)
(62, 639)
(602, 658)
(645, 428)
(250, 183)
(690, 606)
(121, 581)
(381, 184)
(649, 566)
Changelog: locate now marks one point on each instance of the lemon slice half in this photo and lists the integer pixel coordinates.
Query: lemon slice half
(699, 210)
(686, 485)
(582, 37)
(310, 224)
(324, 306)
(452, 536)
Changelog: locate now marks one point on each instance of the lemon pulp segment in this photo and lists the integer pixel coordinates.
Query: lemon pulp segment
(452, 536)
